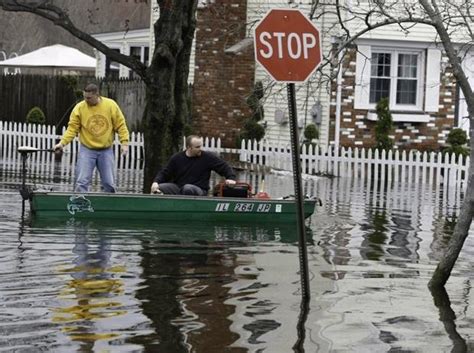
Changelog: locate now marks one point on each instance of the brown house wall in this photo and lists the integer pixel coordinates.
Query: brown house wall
(222, 81)
(357, 131)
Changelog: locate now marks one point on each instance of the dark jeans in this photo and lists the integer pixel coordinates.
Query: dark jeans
(187, 189)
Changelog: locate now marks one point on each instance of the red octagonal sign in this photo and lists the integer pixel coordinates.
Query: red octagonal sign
(287, 44)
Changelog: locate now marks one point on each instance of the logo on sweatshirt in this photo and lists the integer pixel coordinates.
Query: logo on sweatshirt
(98, 125)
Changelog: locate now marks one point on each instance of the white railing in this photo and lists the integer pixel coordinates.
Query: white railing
(397, 166)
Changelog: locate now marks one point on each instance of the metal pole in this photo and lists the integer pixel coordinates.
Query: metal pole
(295, 148)
(24, 192)
(24, 156)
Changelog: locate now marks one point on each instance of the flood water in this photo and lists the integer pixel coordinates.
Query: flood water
(76, 286)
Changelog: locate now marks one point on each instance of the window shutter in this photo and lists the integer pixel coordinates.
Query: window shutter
(433, 71)
(362, 83)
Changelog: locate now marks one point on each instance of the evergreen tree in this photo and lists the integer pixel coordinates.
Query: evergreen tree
(383, 126)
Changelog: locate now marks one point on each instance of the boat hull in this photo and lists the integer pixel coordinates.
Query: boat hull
(164, 207)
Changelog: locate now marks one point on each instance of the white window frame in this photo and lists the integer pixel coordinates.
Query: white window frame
(428, 73)
(394, 79)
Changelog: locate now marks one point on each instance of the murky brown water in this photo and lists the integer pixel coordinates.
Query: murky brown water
(126, 287)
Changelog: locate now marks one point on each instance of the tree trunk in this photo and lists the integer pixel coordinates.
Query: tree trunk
(461, 230)
(448, 317)
(167, 84)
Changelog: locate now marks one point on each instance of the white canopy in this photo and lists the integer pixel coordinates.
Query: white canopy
(54, 56)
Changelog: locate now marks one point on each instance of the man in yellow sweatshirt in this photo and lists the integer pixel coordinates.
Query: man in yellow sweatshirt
(96, 119)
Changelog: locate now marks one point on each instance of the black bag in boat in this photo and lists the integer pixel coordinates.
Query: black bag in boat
(243, 190)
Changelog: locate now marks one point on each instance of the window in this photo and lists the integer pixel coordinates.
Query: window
(407, 79)
(141, 53)
(408, 76)
(379, 77)
(112, 67)
(395, 75)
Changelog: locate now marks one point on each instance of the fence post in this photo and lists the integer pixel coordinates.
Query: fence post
(243, 151)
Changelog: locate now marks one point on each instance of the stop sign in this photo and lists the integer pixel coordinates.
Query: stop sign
(287, 44)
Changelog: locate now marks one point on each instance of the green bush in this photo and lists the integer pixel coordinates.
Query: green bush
(35, 116)
(252, 129)
(457, 137)
(383, 126)
(457, 140)
(311, 132)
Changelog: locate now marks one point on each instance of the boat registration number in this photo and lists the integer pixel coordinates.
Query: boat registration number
(244, 207)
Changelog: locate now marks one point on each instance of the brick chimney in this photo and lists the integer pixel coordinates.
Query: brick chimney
(224, 70)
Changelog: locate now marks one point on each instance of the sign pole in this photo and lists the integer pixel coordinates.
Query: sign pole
(287, 44)
(295, 147)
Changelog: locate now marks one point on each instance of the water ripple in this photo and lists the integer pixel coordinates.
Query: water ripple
(135, 286)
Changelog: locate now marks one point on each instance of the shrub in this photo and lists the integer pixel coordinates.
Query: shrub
(457, 140)
(383, 126)
(252, 129)
(311, 132)
(35, 116)
(457, 136)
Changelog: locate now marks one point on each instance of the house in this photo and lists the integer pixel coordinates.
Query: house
(17, 36)
(405, 65)
(413, 72)
(221, 79)
(134, 42)
(221, 82)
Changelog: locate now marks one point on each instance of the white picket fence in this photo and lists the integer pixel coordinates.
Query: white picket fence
(397, 166)
(407, 167)
(42, 164)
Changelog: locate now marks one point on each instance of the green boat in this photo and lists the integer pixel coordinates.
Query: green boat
(54, 205)
(239, 207)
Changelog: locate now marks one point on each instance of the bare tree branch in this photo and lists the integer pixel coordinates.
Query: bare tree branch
(59, 17)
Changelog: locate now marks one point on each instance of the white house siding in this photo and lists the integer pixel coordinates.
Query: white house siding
(308, 93)
(155, 14)
(404, 31)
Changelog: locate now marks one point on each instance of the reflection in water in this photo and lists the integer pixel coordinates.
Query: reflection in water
(129, 286)
(192, 284)
(298, 347)
(448, 318)
(90, 294)
(188, 289)
(397, 237)
(183, 295)
(444, 229)
(403, 244)
(373, 246)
